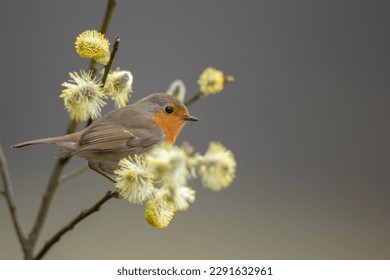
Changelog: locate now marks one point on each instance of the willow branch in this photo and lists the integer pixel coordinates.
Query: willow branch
(59, 166)
(47, 198)
(45, 204)
(71, 127)
(107, 17)
(103, 29)
(73, 173)
(84, 214)
(112, 56)
(197, 96)
(107, 69)
(193, 98)
(9, 196)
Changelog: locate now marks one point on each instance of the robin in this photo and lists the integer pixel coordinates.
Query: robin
(131, 130)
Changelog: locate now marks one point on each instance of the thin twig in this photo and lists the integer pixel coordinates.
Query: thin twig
(9, 196)
(73, 173)
(193, 98)
(72, 127)
(107, 18)
(108, 66)
(47, 198)
(197, 96)
(107, 69)
(84, 214)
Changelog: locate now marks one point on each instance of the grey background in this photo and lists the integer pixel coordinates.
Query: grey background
(307, 119)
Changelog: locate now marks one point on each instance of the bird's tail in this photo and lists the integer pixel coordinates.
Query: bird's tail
(70, 139)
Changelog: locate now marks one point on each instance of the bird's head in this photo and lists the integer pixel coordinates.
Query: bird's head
(167, 112)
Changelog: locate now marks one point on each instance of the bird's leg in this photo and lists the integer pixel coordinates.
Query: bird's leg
(96, 167)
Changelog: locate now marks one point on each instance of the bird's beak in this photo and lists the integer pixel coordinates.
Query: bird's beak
(190, 118)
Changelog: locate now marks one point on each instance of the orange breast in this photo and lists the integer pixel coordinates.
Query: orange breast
(170, 124)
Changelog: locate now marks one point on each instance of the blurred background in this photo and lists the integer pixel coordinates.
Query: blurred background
(307, 119)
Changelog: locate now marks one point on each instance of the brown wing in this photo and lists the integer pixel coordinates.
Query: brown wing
(110, 137)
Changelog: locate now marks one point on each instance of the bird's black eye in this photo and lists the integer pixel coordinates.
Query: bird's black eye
(169, 109)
